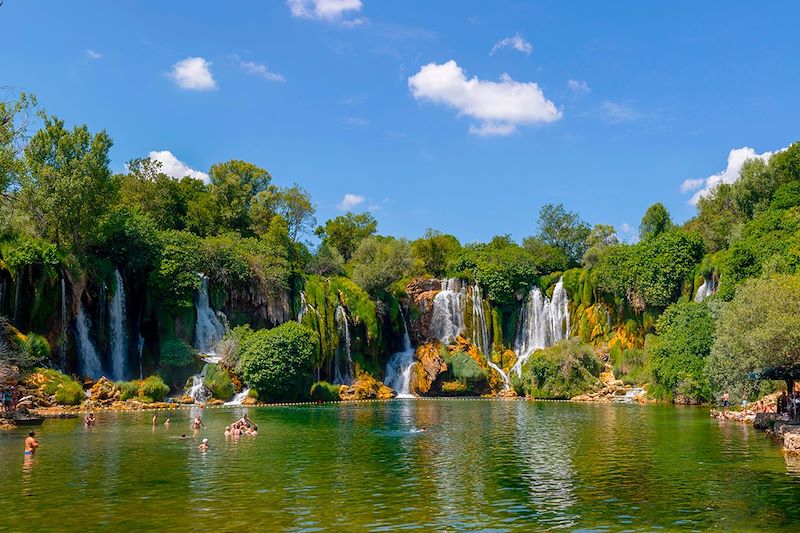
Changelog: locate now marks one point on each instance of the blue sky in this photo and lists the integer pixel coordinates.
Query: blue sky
(461, 116)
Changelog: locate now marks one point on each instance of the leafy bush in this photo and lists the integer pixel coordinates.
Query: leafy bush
(153, 389)
(218, 381)
(325, 392)
(465, 368)
(278, 362)
(128, 389)
(176, 353)
(380, 261)
(69, 392)
(564, 370)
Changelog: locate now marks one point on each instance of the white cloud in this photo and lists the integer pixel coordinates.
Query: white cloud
(616, 113)
(499, 106)
(625, 227)
(328, 10)
(350, 201)
(193, 73)
(174, 167)
(356, 121)
(257, 69)
(516, 42)
(93, 54)
(736, 159)
(578, 86)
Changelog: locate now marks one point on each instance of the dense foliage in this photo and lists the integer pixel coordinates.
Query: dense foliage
(564, 370)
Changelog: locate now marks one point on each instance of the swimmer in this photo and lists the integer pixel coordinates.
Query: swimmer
(167, 422)
(227, 431)
(197, 423)
(31, 444)
(89, 420)
(203, 445)
(155, 419)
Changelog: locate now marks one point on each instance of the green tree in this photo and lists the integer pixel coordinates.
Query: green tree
(656, 220)
(601, 237)
(380, 261)
(346, 232)
(278, 362)
(548, 258)
(434, 251)
(129, 238)
(564, 230)
(685, 336)
(501, 267)
(759, 328)
(16, 117)
(327, 261)
(67, 185)
(234, 184)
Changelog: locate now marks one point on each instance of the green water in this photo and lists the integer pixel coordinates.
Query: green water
(482, 465)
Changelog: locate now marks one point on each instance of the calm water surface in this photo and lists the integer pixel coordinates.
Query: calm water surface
(482, 465)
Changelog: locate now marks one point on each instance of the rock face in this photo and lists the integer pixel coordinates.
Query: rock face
(365, 387)
(104, 392)
(429, 365)
(420, 293)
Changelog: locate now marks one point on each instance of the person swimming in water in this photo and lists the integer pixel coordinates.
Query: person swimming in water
(155, 419)
(89, 420)
(203, 445)
(167, 422)
(31, 444)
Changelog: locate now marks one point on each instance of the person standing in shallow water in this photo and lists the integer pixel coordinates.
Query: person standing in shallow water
(31, 444)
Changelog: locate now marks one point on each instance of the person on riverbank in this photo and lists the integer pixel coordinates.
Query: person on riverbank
(197, 423)
(15, 394)
(726, 400)
(7, 400)
(89, 420)
(31, 444)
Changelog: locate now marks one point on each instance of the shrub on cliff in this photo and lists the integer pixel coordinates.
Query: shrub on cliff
(176, 353)
(278, 362)
(564, 370)
(51, 382)
(218, 381)
(128, 390)
(69, 392)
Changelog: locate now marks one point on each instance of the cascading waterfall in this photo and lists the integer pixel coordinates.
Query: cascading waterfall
(101, 322)
(17, 286)
(480, 333)
(119, 336)
(542, 323)
(240, 397)
(198, 392)
(343, 373)
(140, 346)
(208, 330)
(63, 336)
(2, 294)
(89, 360)
(305, 307)
(398, 369)
(447, 320)
(706, 289)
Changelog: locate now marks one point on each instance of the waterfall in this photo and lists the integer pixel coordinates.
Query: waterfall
(63, 335)
(240, 397)
(705, 290)
(208, 330)
(2, 294)
(140, 346)
(198, 392)
(447, 321)
(542, 322)
(480, 335)
(119, 336)
(90, 362)
(305, 307)
(17, 285)
(398, 369)
(343, 373)
(101, 322)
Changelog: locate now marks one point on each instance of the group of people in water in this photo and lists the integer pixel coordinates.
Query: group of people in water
(243, 426)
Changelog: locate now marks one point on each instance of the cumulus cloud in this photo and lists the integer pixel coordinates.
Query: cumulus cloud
(616, 113)
(257, 69)
(328, 10)
(736, 159)
(93, 54)
(350, 201)
(193, 73)
(498, 106)
(174, 167)
(578, 86)
(516, 42)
